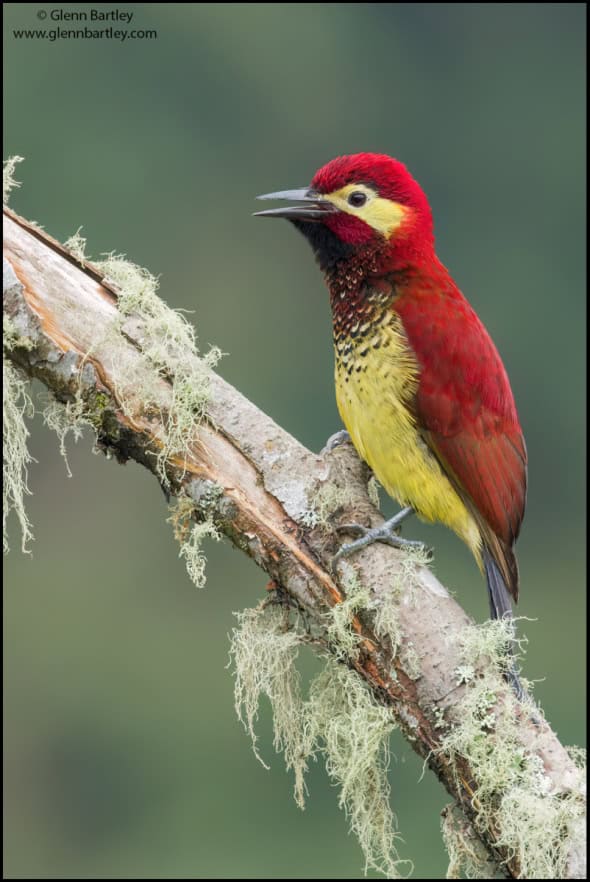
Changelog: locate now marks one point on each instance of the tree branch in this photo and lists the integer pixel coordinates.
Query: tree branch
(63, 309)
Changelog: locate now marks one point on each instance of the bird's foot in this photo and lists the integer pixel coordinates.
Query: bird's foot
(387, 533)
(336, 440)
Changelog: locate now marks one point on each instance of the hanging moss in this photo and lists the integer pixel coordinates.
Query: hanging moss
(190, 535)
(339, 720)
(16, 406)
(8, 181)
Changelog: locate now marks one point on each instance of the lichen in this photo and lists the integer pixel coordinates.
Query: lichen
(373, 490)
(439, 717)
(514, 795)
(464, 674)
(468, 857)
(386, 619)
(536, 828)
(16, 405)
(8, 181)
(327, 500)
(487, 707)
(494, 641)
(76, 245)
(340, 720)
(405, 579)
(412, 665)
(63, 419)
(190, 535)
(208, 495)
(343, 639)
(577, 756)
(12, 337)
(169, 346)
(385, 607)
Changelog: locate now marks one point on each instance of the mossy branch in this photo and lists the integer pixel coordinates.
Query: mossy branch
(233, 470)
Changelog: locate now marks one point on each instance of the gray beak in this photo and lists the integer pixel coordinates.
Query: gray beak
(314, 207)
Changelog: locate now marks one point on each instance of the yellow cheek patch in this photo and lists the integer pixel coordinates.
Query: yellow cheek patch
(383, 215)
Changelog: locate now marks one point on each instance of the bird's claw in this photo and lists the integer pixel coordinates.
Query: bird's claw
(384, 534)
(336, 440)
(388, 533)
(352, 529)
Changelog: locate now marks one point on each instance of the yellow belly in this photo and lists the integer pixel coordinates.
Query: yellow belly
(375, 379)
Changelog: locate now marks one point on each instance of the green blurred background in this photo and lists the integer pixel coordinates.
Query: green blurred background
(123, 756)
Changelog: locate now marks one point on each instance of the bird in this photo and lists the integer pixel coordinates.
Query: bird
(420, 386)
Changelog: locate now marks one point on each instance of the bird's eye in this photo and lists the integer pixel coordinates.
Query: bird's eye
(357, 198)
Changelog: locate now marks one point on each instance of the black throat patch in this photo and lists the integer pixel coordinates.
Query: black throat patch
(327, 247)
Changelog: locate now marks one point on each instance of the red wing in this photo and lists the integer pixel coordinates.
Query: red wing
(488, 464)
(465, 409)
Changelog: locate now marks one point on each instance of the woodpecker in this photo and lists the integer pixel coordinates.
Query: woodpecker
(420, 385)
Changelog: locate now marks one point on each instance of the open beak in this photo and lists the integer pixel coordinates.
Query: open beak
(314, 207)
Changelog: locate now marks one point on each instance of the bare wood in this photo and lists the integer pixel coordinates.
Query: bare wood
(66, 309)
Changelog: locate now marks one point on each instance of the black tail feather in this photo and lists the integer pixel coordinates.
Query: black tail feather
(500, 601)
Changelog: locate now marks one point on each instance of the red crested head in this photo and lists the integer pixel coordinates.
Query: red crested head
(368, 202)
(388, 176)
